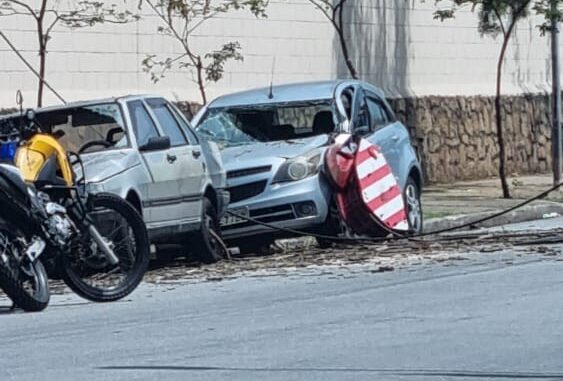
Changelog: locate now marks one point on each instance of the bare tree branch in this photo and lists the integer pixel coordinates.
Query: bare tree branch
(323, 6)
(85, 13)
(180, 19)
(52, 25)
(495, 16)
(23, 5)
(499, 18)
(335, 14)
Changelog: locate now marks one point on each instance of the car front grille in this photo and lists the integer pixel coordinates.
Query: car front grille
(248, 171)
(246, 191)
(282, 212)
(268, 215)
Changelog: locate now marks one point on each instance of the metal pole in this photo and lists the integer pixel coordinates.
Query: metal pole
(556, 128)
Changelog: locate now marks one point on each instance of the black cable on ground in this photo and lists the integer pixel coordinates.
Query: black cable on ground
(398, 237)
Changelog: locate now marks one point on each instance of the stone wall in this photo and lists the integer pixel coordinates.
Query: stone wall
(456, 136)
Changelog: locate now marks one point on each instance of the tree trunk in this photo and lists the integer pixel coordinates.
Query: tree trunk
(41, 84)
(517, 13)
(344, 45)
(200, 80)
(42, 53)
(500, 132)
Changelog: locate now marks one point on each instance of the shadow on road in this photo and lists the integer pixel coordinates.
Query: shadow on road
(5, 310)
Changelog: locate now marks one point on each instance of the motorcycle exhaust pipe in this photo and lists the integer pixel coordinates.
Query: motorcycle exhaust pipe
(103, 245)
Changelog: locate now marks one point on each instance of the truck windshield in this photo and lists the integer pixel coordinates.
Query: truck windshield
(268, 123)
(86, 129)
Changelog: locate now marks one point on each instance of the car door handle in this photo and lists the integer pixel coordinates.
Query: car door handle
(171, 158)
(395, 138)
(196, 154)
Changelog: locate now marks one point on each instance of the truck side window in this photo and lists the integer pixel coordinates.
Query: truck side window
(143, 125)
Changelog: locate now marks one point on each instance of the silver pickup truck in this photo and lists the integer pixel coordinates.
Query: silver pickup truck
(143, 149)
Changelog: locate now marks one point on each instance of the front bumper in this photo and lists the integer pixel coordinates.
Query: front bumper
(297, 205)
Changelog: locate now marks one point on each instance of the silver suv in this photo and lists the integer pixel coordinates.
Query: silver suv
(143, 149)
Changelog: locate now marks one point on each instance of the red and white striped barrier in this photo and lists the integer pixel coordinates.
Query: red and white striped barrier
(380, 190)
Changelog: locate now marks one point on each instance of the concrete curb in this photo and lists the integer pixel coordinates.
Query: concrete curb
(534, 211)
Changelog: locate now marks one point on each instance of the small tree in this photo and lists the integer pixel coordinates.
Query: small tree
(49, 14)
(180, 20)
(496, 17)
(334, 12)
(550, 10)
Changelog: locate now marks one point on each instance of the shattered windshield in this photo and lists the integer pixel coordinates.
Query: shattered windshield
(234, 126)
(86, 129)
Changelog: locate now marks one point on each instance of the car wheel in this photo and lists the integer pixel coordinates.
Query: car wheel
(207, 244)
(413, 206)
(333, 226)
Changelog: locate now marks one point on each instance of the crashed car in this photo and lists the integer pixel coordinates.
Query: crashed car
(273, 141)
(143, 149)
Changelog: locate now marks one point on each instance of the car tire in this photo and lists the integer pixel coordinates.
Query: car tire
(413, 206)
(207, 244)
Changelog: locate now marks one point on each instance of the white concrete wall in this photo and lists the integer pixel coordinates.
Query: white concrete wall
(395, 43)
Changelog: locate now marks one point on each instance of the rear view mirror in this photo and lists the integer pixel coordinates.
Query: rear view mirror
(156, 143)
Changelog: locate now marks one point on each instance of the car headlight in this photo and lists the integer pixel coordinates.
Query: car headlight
(299, 168)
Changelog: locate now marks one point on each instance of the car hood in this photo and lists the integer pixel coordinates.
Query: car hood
(269, 153)
(100, 166)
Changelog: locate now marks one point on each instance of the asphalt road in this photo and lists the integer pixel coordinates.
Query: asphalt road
(489, 318)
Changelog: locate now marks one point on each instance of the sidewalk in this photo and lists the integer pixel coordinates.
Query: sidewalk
(453, 204)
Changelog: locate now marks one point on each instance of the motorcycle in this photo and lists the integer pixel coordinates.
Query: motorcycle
(98, 242)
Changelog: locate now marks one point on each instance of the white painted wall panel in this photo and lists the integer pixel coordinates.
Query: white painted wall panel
(395, 44)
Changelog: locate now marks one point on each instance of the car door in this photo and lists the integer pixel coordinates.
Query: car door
(164, 189)
(384, 133)
(187, 157)
(211, 163)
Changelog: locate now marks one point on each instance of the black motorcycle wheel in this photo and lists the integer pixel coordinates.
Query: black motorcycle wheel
(86, 270)
(25, 283)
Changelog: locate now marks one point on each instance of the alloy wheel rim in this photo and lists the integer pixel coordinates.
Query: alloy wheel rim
(414, 209)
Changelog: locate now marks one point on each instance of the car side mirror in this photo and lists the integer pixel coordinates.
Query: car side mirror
(156, 143)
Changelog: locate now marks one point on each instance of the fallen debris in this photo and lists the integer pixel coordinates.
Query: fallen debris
(304, 254)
